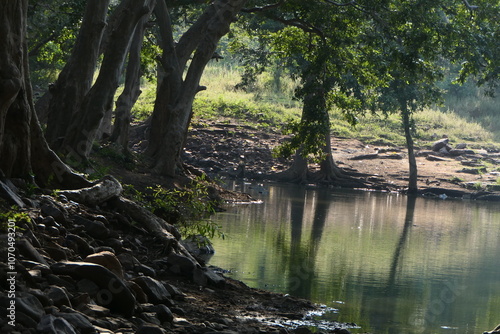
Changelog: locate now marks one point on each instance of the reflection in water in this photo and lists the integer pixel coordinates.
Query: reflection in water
(399, 264)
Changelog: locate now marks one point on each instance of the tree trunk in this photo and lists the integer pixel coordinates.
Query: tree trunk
(329, 171)
(131, 91)
(175, 95)
(412, 183)
(75, 79)
(298, 171)
(23, 149)
(82, 131)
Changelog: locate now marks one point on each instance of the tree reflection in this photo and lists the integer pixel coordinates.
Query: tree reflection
(301, 264)
(380, 314)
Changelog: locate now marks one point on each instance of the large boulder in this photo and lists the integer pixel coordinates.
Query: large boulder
(441, 144)
(155, 290)
(113, 293)
(107, 260)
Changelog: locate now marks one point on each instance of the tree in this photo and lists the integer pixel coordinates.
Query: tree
(322, 43)
(23, 149)
(175, 93)
(378, 56)
(75, 80)
(82, 130)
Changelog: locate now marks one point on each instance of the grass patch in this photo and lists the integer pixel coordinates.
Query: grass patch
(269, 104)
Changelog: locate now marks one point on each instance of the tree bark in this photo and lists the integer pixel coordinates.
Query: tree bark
(80, 135)
(131, 91)
(75, 79)
(412, 182)
(23, 149)
(298, 171)
(175, 95)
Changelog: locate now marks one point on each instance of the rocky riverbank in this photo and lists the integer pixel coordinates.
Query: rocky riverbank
(71, 266)
(444, 168)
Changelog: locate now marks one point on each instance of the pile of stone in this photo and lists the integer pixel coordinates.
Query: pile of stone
(78, 271)
(443, 146)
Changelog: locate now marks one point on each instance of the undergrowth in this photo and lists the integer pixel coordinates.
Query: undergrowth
(187, 208)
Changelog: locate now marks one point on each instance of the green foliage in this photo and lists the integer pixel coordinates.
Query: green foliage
(52, 28)
(188, 208)
(14, 215)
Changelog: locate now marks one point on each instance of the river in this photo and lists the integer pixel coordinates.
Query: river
(388, 262)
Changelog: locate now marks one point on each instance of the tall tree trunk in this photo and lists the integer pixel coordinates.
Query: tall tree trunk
(329, 171)
(131, 91)
(80, 135)
(173, 105)
(23, 149)
(298, 172)
(75, 79)
(412, 183)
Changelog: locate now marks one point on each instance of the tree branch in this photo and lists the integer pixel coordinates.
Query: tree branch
(263, 8)
(469, 6)
(350, 3)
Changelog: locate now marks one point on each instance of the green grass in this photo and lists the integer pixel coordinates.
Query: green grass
(270, 104)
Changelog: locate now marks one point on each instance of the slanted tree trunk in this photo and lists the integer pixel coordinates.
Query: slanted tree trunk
(175, 94)
(412, 182)
(23, 149)
(80, 135)
(131, 91)
(75, 79)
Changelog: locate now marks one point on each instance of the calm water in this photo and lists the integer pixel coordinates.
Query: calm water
(389, 263)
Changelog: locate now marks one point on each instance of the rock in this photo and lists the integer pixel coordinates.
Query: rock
(78, 244)
(438, 145)
(457, 152)
(114, 294)
(365, 156)
(139, 294)
(56, 254)
(7, 193)
(97, 311)
(445, 150)
(107, 260)
(50, 210)
(61, 280)
(107, 188)
(155, 290)
(59, 296)
(150, 317)
(51, 324)
(24, 320)
(145, 270)
(28, 251)
(175, 292)
(87, 286)
(128, 261)
(96, 229)
(162, 311)
(150, 329)
(461, 146)
(181, 264)
(436, 158)
(206, 276)
(29, 305)
(78, 321)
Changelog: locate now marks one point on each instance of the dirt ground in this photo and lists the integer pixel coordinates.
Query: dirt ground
(221, 149)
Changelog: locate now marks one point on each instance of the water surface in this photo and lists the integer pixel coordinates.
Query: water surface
(389, 263)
